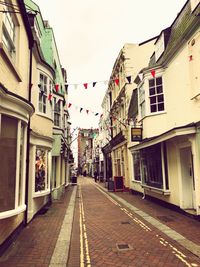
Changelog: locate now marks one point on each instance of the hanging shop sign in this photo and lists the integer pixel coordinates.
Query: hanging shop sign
(136, 134)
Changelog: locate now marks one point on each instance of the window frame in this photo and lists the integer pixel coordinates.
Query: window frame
(155, 95)
(19, 198)
(57, 112)
(9, 27)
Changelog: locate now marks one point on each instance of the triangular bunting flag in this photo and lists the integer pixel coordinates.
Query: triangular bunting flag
(93, 84)
(49, 97)
(39, 85)
(75, 86)
(85, 85)
(129, 79)
(87, 111)
(153, 72)
(140, 76)
(96, 114)
(66, 87)
(81, 109)
(69, 105)
(117, 81)
(190, 58)
(57, 87)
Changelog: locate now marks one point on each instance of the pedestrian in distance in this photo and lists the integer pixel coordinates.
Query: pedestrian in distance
(95, 176)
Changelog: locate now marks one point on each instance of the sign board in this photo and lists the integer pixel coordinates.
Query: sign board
(136, 134)
(118, 183)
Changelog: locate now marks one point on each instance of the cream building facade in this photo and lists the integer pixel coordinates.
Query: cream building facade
(131, 58)
(16, 42)
(167, 164)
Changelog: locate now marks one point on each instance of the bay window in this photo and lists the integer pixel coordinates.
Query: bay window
(12, 160)
(43, 94)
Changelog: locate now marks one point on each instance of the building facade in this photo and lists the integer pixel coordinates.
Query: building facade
(166, 162)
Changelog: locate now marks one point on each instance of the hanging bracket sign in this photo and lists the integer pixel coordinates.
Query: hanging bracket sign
(136, 134)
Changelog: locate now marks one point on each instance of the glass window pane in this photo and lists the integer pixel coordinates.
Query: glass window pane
(161, 107)
(8, 150)
(152, 91)
(153, 108)
(40, 170)
(153, 100)
(159, 89)
(159, 81)
(160, 98)
(151, 83)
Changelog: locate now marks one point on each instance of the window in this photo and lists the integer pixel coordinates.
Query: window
(142, 102)
(9, 31)
(156, 95)
(43, 94)
(136, 166)
(41, 177)
(12, 158)
(57, 115)
(153, 162)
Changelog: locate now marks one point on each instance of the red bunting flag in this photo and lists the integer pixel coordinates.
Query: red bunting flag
(101, 116)
(117, 81)
(153, 72)
(190, 58)
(69, 105)
(85, 85)
(87, 111)
(49, 96)
(57, 87)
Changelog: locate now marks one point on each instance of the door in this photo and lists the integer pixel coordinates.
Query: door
(187, 178)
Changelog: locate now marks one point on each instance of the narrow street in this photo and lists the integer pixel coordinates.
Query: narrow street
(110, 234)
(90, 226)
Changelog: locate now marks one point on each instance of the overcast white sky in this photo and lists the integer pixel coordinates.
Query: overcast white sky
(89, 36)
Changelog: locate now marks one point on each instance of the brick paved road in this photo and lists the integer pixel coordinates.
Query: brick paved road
(107, 234)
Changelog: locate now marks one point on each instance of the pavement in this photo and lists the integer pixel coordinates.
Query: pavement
(53, 239)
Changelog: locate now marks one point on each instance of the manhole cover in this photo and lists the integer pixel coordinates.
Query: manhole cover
(123, 247)
(165, 218)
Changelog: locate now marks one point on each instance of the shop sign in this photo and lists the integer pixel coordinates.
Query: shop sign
(136, 134)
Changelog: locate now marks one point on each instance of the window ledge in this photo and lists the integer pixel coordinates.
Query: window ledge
(10, 62)
(41, 193)
(156, 190)
(11, 213)
(135, 181)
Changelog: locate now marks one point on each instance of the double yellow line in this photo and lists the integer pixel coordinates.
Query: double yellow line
(84, 250)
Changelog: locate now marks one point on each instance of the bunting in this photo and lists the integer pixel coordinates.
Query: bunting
(153, 72)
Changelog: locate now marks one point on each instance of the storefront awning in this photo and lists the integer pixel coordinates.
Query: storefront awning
(178, 131)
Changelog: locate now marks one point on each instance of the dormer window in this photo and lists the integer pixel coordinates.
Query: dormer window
(160, 46)
(9, 31)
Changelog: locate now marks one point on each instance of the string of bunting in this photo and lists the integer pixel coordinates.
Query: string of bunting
(93, 84)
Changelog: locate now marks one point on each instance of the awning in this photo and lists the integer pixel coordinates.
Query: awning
(178, 131)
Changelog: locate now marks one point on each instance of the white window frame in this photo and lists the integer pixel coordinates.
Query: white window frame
(18, 208)
(9, 31)
(156, 95)
(141, 101)
(46, 190)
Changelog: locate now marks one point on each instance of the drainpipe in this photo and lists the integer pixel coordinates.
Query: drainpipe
(28, 138)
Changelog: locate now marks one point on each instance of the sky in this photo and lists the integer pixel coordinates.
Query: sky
(89, 36)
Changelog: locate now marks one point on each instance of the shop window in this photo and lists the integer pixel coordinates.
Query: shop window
(154, 166)
(40, 170)
(136, 166)
(12, 158)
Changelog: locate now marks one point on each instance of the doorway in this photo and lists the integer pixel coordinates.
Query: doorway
(187, 178)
